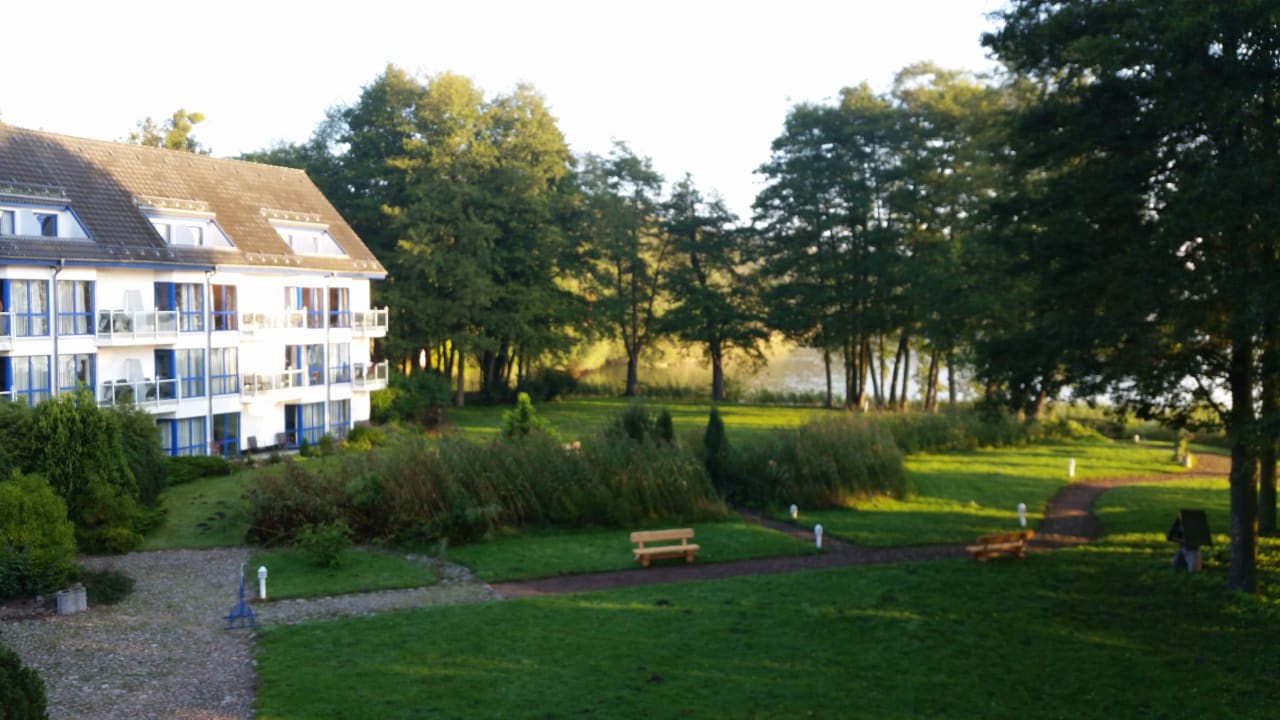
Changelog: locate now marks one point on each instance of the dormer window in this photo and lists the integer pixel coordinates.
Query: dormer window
(183, 223)
(48, 223)
(304, 233)
(7, 226)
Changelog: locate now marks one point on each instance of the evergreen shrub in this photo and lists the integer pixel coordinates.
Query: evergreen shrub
(37, 542)
(22, 694)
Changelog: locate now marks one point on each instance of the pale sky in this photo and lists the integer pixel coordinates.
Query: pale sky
(699, 87)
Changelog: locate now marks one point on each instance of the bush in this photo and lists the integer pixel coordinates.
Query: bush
(294, 495)
(550, 384)
(523, 419)
(189, 468)
(142, 452)
(715, 456)
(365, 437)
(324, 544)
(664, 427)
(419, 398)
(37, 542)
(826, 463)
(104, 587)
(22, 695)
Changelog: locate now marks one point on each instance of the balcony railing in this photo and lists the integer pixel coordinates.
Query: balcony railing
(137, 326)
(6, 331)
(369, 376)
(369, 323)
(148, 393)
(261, 384)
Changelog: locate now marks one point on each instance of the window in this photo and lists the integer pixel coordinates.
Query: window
(182, 437)
(340, 363)
(339, 418)
(27, 378)
(224, 377)
(225, 316)
(187, 299)
(308, 300)
(8, 224)
(75, 307)
(339, 307)
(303, 422)
(48, 223)
(226, 434)
(75, 372)
(163, 229)
(29, 301)
(307, 358)
(183, 369)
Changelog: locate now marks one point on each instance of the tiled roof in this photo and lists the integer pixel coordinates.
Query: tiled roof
(104, 183)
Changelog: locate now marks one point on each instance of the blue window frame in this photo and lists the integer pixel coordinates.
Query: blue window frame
(224, 371)
(339, 418)
(187, 299)
(75, 307)
(303, 422)
(308, 299)
(181, 437)
(184, 366)
(309, 359)
(225, 313)
(339, 363)
(27, 378)
(28, 302)
(76, 371)
(339, 307)
(226, 434)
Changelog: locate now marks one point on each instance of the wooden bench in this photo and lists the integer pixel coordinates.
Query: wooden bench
(645, 552)
(989, 546)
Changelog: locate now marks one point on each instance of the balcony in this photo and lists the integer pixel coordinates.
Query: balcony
(369, 323)
(257, 385)
(153, 395)
(137, 327)
(6, 331)
(369, 376)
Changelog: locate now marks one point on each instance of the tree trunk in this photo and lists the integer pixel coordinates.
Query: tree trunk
(906, 371)
(717, 372)
(826, 365)
(893, 379)
(1270, 409)
(460, 399)
(951, 380)
(633, 374)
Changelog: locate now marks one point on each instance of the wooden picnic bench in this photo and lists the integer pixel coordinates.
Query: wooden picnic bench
(645, 552)
(989, 546)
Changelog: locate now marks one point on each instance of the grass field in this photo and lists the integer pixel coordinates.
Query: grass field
(534, 555)
(957, 496)
(576, 419)
(207, 513)
(290, 574)
(1084, 633)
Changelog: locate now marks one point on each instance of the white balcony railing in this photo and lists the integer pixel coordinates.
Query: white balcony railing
(6, 331)
(254, 385)
(137, 326)
(148, 394)
(369, 323)
(369, 376)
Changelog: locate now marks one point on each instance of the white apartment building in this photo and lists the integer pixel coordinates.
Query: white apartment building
(226, 298)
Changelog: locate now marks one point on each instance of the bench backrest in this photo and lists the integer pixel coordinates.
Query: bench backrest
(646, 536)
(1006, 537)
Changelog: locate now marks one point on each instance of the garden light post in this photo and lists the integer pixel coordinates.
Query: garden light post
(1071, 468)
(817, 535)
(1022, 514)
(262, 582)
(795, 511)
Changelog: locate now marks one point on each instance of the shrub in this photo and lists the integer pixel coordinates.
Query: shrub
(523, 419)
(141, 446)
(419, 397)
(22, 695)
(37, 542)
(635, 422)
(189, 468)
(826, 463)
(715, 456)
(294, 495)
(664, 428)
(324, 544)
(104, 587)
(549, 384)
(366, 437)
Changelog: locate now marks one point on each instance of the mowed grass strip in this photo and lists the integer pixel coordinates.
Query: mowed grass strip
(292, 574)
(206, 513)
(546, 554)
(957, 496)
(578, 419)
(1078, 634)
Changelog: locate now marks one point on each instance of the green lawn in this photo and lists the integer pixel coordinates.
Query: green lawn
(958, 496)
(1088, 633)
(207, 513)
(533, 555)
(576, 419)
(291, 575)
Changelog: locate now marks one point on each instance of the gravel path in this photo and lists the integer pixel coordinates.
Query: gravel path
(164, 653)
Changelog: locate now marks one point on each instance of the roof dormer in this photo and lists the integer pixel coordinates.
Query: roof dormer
(183, 223)
(38, 211)
(304, 233)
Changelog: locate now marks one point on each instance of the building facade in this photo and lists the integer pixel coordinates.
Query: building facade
(226, 298)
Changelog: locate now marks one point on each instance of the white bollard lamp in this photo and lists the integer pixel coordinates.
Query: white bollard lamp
(817, 535)
(262, 582)
(1022, 514)
(795, 511)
